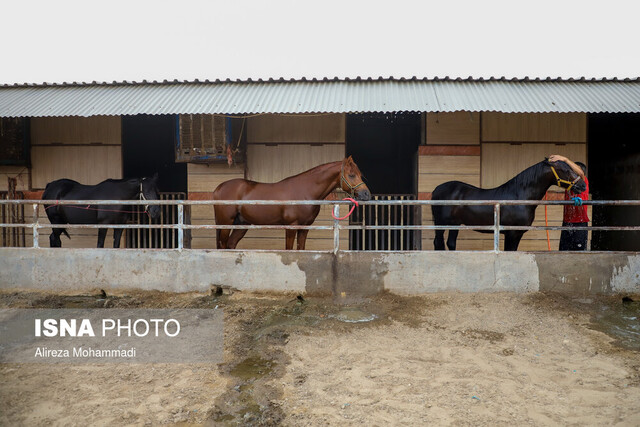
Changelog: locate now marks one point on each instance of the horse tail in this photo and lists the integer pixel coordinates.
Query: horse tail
(436, 210)
(56, 190)
(440, 192)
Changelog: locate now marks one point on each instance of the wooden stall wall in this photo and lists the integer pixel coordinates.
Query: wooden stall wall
(487, 150)
(451, 153)
(85, 149)
(202, 179)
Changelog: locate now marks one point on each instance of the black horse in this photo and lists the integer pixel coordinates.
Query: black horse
(530, 184)
(111, 189)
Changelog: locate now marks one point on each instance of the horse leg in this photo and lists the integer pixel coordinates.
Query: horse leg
(117, 234)
(290, 236)
(54, 238)
(222, 237)
(512, 239)
(451, 239)
(235, 237)
(438, 241)
(302, 239)
(102, 234)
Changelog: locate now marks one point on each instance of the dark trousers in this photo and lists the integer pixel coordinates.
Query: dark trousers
(574, 240)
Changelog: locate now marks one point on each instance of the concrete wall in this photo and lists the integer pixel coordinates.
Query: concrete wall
(361, 273)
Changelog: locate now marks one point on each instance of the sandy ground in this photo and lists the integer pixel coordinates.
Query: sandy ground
(444, 359)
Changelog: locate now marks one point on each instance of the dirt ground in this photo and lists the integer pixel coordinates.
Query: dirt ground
(442, 359)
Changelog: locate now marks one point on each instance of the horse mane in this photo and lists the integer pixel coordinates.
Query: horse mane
(121, 181)
(529, 175)
(526, 180)
(312, 170)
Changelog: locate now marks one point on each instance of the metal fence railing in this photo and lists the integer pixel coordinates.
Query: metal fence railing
(180, 226)
(156, 238)
(12, 214)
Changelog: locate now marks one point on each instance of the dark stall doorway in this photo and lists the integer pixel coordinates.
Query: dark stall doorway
(614, 174)
(385, 147)
(148, 146)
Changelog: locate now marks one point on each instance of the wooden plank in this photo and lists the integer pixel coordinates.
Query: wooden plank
(215, 168)
(461, 127)
(208, 177)
(428, 182)
(449, 150)
(460, 165)
(283, 129)
(202, 213)
(272, 163)
(85, 164)
(76, 130)
(501, 162)
(534, 127)
(21, 173)
(208, 183)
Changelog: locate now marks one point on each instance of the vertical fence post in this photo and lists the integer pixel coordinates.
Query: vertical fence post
(336, 229)
(496, 227)
(180, 226)
(35, 226)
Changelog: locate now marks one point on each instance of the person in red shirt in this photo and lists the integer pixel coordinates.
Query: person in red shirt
(574, 215)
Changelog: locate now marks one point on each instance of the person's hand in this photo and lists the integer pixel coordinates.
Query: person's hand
(577, 201)
(557, 158)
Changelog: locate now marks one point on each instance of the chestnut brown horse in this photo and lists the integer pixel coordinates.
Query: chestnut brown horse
(314, 184)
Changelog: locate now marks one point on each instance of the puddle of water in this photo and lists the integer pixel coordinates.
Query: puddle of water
(252, 368)
(353, 315)
(621, 321)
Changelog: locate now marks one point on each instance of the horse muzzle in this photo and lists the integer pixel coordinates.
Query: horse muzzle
(363, 195)
(579, 187)
(154, 211)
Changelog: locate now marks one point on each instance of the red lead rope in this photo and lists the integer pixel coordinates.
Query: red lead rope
(352, 208)
(89, 208)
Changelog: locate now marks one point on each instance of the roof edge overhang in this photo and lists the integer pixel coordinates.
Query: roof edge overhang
(322, 96)
(323, 79)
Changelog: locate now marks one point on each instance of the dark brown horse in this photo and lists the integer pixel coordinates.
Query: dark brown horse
(314, 184)
(111, 189)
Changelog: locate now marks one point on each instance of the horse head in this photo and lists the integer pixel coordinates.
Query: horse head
(351, 180)
(566, 177)
(149, 191)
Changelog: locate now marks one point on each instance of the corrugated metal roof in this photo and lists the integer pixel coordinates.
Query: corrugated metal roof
(321, 96)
